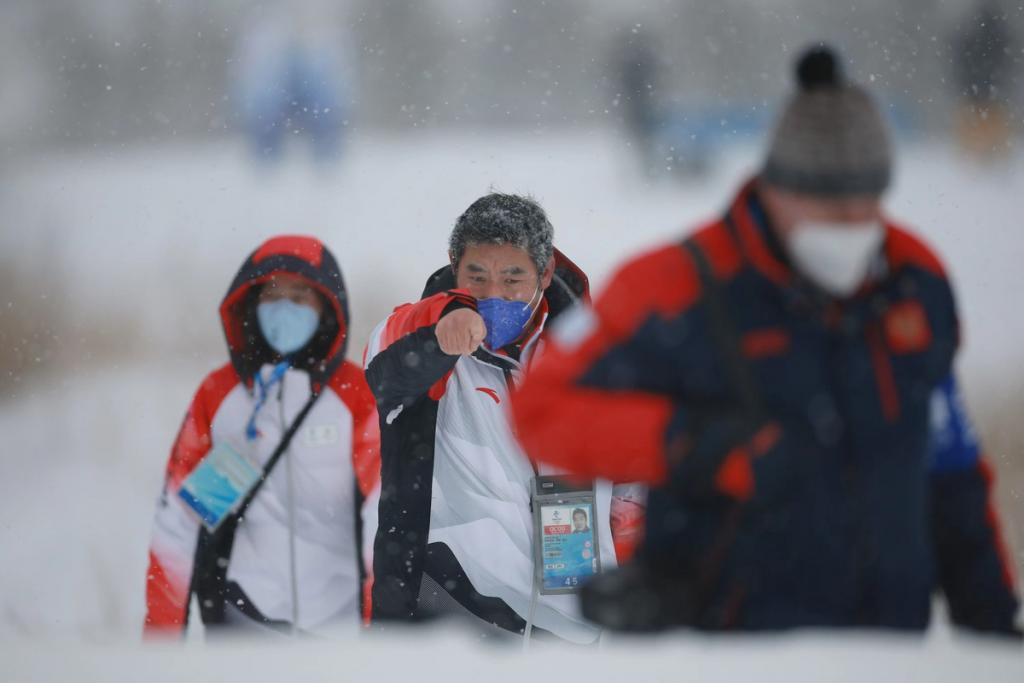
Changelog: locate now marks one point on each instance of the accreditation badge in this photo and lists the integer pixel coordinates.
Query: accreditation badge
(566, 549)
(218, 484)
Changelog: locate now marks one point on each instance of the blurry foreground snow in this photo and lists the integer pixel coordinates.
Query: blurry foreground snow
(853, 658)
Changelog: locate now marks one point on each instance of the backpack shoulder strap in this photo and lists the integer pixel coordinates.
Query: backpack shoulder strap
(724, 334)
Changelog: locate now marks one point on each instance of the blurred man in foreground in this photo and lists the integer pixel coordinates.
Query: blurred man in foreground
(774, 378)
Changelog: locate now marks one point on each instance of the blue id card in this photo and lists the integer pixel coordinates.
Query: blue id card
(567, 550)
(218, 484)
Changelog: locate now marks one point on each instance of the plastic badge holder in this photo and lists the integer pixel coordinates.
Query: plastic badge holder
(566, 552)
(218, 484)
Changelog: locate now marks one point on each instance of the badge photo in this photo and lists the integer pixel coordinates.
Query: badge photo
(565, 545)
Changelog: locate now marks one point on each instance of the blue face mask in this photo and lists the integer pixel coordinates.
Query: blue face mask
(505, 320)
(286, 325)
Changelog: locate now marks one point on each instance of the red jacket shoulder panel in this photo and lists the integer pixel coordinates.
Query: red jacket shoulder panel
(720, 249)
(903, 248)
(661, 281)
(216, 386)
(349, 384)
(193, 440)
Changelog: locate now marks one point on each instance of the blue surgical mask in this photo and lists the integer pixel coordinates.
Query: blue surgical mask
(286, 325)
(505, 320)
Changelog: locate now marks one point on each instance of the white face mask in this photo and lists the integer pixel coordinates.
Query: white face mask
(835, 256)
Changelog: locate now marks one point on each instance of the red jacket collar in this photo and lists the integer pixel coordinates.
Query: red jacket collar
(749, 227)
(751, 231)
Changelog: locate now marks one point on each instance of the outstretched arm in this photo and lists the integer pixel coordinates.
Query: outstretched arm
(598, 403)
(404, 359)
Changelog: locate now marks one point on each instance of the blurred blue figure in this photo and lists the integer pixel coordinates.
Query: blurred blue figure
(986, 74)
(670, 138)
(689, 137)
(639, 82)
(291, 81)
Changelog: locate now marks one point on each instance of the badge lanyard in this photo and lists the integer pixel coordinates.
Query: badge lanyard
(251, 433)
(225, 481)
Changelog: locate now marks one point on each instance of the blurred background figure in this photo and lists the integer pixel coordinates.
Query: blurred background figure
(986, 67)
(291, 82)
(670, 140)
(676, 128)
(639, 72)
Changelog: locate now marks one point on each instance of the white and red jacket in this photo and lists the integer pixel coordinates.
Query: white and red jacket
(297, 556)
(456, 529)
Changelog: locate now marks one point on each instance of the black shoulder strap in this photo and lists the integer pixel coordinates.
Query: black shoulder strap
(276, 455)
(724, 334)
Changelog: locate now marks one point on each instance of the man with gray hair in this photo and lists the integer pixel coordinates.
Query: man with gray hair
(455, 531)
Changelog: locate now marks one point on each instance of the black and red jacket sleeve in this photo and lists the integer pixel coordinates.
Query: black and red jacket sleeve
(598, 372)
(615, 369)
(403, 360)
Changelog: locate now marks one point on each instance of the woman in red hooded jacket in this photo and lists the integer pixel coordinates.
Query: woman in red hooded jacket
(294, 560)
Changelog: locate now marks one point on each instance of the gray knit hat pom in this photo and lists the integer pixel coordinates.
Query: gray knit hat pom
(818, 69)
(831, 139)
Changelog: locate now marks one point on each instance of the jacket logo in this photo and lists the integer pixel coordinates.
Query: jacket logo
(490, 392)
(768, 341)
(906, 328)
(321, 435)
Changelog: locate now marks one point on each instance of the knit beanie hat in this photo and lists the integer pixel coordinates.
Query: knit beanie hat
(831, 140)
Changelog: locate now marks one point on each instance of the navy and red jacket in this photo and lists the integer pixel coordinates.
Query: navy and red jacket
(838, 507)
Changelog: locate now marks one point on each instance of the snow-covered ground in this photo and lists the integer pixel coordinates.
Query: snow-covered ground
(821, 658)
(141, 244)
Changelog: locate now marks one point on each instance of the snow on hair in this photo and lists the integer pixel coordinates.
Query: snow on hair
(505, 219)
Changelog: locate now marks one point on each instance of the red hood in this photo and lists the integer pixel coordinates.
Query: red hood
(304, 257)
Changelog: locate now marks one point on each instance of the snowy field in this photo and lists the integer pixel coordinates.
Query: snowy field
(139, 246)
(449, 657)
